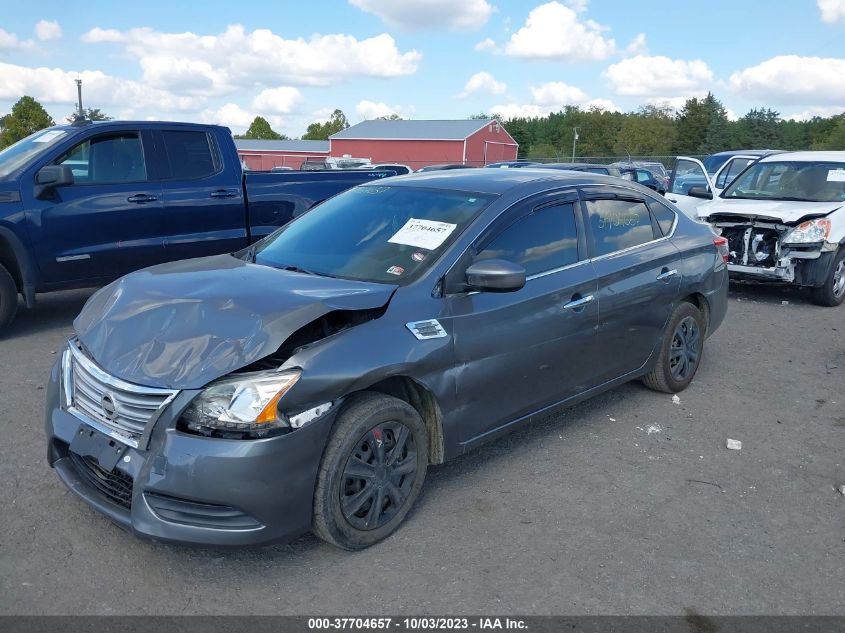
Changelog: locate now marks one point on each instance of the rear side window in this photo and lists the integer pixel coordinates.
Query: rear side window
(618, 224)
(663, 214)
(110, 158)
(190, 154)
(543, 240)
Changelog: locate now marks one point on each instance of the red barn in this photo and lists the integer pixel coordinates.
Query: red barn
(420, 143)
(264, 155)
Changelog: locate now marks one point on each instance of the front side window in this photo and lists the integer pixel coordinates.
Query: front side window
(790, 180)
(373, 233)
(543, 240)
(618, 224)
(190, 154)
(105, 159)
(688, 174)
(732, 171)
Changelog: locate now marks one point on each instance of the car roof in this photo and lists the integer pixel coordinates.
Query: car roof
(806, 157)
(749, 152)
(571, 165)
(497, 181)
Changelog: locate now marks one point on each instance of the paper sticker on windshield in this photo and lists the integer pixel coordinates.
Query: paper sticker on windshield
(836, 175)
(426, 234)
(395, 270)
(48, 136)
(418, 256)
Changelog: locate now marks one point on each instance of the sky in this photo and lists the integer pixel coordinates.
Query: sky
(294, 62)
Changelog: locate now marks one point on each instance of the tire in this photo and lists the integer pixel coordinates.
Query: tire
(680, 351)
(832, 292)
(371, 425)
(8, 298)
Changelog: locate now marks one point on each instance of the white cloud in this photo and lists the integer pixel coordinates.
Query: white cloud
(658, 76)
(48, 30)
(832, 10)
(58, 86)
(579, 6)
(793, 79)
(557, 94)
(637, 46)
(10, 41)
(214, 65)
(483, 82)
(809, 113)
(281, 100)
(601, 104)
(675, 103)
(374, 109)
(553, 31)
(412, 15)
(487, 45)
(238, 118)
(519, 110)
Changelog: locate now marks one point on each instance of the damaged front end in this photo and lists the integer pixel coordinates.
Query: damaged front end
(769, 250)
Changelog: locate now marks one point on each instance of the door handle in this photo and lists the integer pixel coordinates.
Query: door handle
(141, 198)
(667, 274)
(222, 193)
(578, 304)
(672, 199)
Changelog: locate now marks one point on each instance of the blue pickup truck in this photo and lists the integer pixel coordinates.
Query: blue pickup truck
(84, 203)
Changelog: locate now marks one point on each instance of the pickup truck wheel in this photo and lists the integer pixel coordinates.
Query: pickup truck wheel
(372, 471)
(832, 293)
(680, 352)
(8, 298)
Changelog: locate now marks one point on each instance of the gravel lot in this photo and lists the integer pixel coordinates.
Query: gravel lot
(627, 504)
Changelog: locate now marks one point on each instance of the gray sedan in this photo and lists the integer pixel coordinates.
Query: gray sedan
(309, 381)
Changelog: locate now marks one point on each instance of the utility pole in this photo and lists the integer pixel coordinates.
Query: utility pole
(79, 93)
(574, 140)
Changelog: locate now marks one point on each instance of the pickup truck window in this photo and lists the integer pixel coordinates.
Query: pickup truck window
(108, 158)
(373, 233)
(191, 154)
(19, 154)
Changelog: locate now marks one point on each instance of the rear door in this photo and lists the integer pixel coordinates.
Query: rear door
(638, 271)
(109, 221)
(520, 351)
(203, 198)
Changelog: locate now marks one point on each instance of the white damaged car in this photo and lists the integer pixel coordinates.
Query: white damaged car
(784, 219)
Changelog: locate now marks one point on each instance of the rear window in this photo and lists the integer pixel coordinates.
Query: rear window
(618, 224)
(190, 154)
(663, 214)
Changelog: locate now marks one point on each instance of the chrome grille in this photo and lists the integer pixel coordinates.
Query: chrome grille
(120, 409)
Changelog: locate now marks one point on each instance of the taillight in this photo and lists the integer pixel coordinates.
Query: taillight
(721, 244)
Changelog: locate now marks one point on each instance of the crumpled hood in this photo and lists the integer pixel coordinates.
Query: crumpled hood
(784, 210)
(183, 324)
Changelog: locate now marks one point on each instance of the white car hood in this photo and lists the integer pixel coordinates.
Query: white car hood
(783, 210)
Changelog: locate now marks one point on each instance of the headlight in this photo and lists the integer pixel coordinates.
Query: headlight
(246, 406)
(810, 232)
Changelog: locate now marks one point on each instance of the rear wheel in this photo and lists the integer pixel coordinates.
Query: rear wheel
(372, 471)
(832, 293)
(8, 298)
(680, 352)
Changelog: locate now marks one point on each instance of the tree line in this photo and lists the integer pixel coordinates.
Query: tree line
(700, 127)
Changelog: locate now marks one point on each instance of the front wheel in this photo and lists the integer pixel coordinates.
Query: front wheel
(832, 292)
(680, 352)
(372, 471)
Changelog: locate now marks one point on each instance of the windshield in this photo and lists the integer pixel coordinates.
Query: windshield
(790, 180)
(16, 156)
(373, 233)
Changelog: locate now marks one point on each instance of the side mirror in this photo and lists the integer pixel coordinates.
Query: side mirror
(700, 192)
(51, 176)
(495, 275)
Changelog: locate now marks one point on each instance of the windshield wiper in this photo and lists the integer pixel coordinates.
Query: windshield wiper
(298, 269)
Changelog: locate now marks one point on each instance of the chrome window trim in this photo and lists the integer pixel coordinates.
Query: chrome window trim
(73, 353)
(557, 270)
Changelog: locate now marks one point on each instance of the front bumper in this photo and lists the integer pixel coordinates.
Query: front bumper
(190, 489)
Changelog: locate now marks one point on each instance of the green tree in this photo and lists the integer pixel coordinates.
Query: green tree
(703, 126)
(836, 139)
(759, 129)
(27, 116)
(389, 117)
(260, 130)
(649, 132)
(95, 114)
(542, 150)
(322, 131)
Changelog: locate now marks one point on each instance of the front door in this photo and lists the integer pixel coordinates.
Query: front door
(108, 222)
(689, 173)
(520, 351)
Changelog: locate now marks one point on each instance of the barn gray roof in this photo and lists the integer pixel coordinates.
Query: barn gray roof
(253, 145)
(413, 130)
